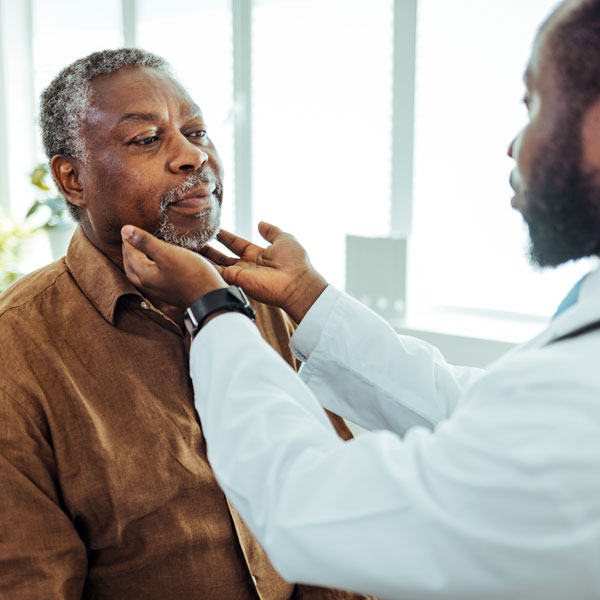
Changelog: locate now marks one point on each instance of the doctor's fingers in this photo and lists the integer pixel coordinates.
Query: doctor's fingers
(217, 258)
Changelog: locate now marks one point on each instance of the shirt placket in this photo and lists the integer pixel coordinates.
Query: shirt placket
(267, 583)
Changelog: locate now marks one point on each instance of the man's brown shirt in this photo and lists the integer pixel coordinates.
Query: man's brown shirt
(105, 484)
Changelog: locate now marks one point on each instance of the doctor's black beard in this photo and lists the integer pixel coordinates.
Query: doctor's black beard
(562, 203)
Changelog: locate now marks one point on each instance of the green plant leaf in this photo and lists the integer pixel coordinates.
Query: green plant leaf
(38, 175)
(54, 210)
(33, 209)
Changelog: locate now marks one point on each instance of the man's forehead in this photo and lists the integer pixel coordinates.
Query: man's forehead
(140, 93)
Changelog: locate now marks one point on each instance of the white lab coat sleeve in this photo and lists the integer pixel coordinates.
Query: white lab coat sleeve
(359, 368)
(469, 512)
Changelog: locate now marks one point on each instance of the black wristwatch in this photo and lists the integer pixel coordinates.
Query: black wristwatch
(231, 298)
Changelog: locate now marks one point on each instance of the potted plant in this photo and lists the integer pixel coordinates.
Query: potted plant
(11, 238)
(52, 208)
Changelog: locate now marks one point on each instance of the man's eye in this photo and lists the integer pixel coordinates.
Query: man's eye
(147, 141)
(199, 134)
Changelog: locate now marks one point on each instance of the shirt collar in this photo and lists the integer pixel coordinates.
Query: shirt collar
(100, 280)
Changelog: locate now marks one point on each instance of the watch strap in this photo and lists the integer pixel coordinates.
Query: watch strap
(223, 299)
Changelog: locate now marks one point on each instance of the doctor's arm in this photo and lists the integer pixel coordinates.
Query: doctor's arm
(450, 514)
(465, 512)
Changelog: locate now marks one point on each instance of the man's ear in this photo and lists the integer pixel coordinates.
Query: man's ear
(66, 172)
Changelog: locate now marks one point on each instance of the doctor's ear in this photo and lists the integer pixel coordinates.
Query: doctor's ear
(66, 173)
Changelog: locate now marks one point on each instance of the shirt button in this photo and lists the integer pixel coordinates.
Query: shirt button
(144, 305)
(254, 580)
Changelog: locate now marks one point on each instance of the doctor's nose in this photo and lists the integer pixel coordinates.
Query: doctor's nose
(511, 147)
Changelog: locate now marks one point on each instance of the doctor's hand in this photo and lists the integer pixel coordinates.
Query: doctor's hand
(280, 274)
(165, 272)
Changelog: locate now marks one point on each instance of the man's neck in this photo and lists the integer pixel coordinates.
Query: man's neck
(114, 253)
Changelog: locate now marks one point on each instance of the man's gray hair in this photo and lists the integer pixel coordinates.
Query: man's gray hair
(66, 100)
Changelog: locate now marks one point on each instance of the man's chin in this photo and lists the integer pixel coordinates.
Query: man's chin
(190, 240)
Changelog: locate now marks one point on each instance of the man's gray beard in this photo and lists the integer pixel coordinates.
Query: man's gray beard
(167, 232)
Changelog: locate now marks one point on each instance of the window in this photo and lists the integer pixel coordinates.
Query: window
(65, 30)
(322, 109)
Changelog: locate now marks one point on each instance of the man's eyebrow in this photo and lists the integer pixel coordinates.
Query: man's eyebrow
(194, 110)
(139, 117)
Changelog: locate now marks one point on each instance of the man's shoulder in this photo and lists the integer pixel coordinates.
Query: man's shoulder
(34, 287)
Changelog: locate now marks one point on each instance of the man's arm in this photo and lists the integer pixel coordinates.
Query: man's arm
(41, 554)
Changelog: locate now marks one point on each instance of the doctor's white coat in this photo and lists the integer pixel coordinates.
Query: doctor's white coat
(472, 484)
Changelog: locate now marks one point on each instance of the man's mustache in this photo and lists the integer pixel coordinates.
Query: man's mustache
(193, 180)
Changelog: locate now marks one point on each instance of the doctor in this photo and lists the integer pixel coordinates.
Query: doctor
(473, 484)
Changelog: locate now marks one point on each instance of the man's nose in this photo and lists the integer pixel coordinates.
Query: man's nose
(186, 156)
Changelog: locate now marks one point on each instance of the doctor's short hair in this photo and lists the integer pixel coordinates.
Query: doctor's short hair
(66, 100)
(574, 49)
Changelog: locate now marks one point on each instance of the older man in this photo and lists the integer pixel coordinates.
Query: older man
(486, 484)
(106, 487)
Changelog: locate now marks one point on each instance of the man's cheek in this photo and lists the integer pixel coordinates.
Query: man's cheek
(145, 203)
